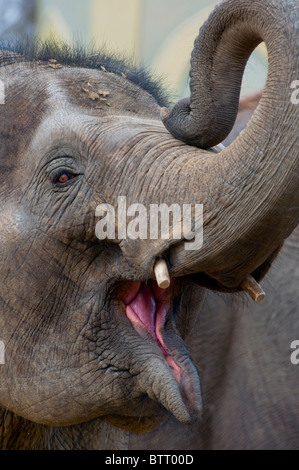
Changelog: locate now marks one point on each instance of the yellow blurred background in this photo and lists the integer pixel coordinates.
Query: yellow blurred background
(156, 33)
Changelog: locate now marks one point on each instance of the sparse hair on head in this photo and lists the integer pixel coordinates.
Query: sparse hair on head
(80, 55)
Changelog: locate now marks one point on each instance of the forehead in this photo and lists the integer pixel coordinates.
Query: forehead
(91, 90)
(36, 94)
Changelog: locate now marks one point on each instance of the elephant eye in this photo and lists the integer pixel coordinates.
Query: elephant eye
(64, 177)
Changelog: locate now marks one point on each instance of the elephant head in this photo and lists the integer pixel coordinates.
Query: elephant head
(88, 332)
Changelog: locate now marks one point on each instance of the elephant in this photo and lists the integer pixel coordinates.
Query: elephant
(246, 108)
(99, 352)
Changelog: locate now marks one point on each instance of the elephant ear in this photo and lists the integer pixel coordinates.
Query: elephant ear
(9, 57)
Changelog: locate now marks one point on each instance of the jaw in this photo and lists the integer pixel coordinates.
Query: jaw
(98, 364)
(167, 380)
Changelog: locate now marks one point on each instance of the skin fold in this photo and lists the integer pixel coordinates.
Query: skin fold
(211, 371)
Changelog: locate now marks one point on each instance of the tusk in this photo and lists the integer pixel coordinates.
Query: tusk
(252, 287)
(162, 274)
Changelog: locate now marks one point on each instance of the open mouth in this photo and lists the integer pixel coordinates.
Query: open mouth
(150, 309)
(147, 306)
(162, 318)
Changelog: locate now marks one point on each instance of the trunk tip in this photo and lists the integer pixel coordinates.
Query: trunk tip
(164, 113)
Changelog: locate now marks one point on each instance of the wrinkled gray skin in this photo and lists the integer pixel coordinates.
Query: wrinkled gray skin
(77, 373)
(246, 108)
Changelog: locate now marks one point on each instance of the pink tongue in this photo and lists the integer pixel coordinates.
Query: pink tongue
(144, 306)
(144, 310)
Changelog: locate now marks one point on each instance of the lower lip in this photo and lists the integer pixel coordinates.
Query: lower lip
(153, 325)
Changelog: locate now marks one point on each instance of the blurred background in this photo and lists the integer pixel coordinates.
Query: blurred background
(156, 33)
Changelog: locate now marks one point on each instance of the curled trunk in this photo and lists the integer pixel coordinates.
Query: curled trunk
(250, 189)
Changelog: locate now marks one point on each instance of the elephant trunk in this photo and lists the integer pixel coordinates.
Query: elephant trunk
(249, 190)
(221, 50)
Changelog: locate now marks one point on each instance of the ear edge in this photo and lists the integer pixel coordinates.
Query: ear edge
(9, 57)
